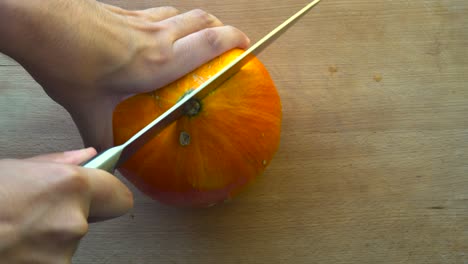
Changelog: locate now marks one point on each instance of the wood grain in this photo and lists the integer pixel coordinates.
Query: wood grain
(373, 161)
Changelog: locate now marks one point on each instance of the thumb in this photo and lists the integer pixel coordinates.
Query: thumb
(75, 157)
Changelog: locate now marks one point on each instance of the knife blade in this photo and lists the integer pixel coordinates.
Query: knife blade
(112, 158)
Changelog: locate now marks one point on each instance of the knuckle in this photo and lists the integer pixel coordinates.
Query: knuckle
(73, 229)
(78, 181)
(203, 16)
(78, 230)
(199, 12)
(137, 14)
(232, 29)
(161, 27)
(170, 10)
(160, 57)
(149, 27)
(74, 180)
(212, 38)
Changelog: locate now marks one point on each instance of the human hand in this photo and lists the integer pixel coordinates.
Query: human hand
(88, 56)
(46, 202)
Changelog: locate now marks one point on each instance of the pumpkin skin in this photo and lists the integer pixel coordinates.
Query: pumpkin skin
(207, 158)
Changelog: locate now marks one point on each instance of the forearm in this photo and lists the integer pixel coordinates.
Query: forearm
(30, 30)
(19, 24)
(10, 25)
(48, 36)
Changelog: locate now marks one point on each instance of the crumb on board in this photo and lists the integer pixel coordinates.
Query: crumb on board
(378, 77)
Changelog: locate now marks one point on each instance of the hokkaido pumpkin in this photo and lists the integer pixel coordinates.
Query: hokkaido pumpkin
(215, 151)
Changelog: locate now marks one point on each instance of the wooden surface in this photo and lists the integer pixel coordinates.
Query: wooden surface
(373, 162)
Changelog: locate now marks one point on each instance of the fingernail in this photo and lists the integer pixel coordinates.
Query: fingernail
(91, 149)
(247, 44)
(73, 152)
(78, 151)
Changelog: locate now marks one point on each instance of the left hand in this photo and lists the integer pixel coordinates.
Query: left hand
(88, 56)
(46, 202)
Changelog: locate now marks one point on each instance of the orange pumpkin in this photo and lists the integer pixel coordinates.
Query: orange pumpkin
(209, 156)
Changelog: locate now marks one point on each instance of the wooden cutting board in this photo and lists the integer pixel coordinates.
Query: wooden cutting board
(373, 162)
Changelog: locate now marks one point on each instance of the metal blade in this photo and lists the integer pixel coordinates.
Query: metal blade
(175, 112)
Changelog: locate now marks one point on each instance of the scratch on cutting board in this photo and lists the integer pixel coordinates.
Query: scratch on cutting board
(436, 207)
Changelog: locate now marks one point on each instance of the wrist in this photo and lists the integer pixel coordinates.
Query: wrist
(93, 119)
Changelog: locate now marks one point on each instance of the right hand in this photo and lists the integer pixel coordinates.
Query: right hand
(47, 201)
(88, 56)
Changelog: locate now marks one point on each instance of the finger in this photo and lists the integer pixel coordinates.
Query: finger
(153, 14)
(159, 13)
(192, 51)
(200, 47)
(68, 157)
(184, 24)
(110, 198)
(118, 10)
